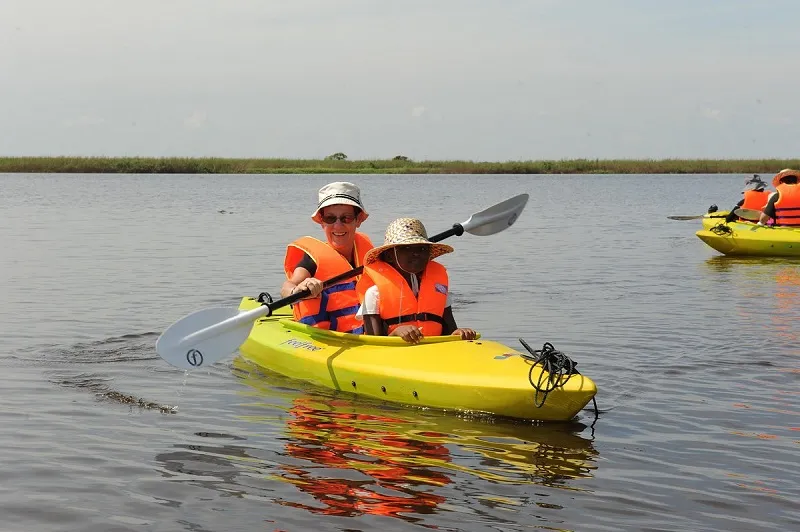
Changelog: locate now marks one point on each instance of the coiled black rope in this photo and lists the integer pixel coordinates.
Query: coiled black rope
(557, 365)
(721, 230)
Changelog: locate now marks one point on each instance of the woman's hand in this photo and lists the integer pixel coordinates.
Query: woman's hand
(466, 334)
(312, 284)
(410, 333)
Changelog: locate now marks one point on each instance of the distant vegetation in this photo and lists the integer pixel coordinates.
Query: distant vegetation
(339, 164)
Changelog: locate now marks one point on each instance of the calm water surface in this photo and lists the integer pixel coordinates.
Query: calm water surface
(695, 356)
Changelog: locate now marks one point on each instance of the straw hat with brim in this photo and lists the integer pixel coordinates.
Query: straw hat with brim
(339, 193)
(784, 173)
(406, 232)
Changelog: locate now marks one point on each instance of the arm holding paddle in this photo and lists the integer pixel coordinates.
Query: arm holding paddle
(301, 280)
(732, 216)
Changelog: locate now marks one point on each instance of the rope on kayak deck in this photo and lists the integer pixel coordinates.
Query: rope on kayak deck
(721, 229)
(557, 365)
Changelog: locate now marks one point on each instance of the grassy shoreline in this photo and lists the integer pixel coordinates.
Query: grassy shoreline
(189, 165)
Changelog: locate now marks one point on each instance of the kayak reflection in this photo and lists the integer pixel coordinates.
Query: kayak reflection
(787, 295)
(773, 282)
(397, 471)
(356, 456)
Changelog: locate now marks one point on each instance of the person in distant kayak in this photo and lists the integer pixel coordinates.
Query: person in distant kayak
(310, 262)
(755, 197)
(784, 205)
(403, 291)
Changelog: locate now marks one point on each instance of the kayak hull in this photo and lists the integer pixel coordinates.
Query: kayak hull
(749, 239)
(441, 372)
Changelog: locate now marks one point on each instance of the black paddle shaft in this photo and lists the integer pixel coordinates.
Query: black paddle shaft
(456, 230)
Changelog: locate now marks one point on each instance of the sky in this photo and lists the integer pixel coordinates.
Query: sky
(491, 80)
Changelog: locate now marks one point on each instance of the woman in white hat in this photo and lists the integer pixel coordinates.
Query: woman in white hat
(754, 196)
(309, 262)
(404, 292)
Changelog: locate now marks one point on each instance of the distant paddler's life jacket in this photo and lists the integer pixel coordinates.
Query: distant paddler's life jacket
(787, 208)
(397, 303)
(336, 307)
(756, 199)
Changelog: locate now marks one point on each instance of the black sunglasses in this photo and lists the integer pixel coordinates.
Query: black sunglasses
(330, 219)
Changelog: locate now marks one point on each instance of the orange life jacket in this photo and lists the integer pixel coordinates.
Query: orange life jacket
(755, 199)
(397, 302)
(787, 208)
(336, 306)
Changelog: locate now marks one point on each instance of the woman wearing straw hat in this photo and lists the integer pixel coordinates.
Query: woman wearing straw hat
(309, 262)
(784, 205)
(404, 292)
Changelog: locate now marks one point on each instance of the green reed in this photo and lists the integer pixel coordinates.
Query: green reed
(212, 165)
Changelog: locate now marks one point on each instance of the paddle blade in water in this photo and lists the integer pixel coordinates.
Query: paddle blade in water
(496, 218)
(686, 217)
(184, 344)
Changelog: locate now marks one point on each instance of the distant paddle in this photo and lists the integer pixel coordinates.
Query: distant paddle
(209, 335)
(694, 217)
(747, 214)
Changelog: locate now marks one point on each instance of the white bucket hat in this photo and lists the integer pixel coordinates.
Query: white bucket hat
(754, 183)
(339, 193)
(406, 232)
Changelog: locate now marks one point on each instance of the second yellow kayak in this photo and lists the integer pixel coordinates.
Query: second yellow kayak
(749, 239)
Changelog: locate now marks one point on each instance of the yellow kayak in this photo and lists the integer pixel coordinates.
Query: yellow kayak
(749, 239)
(441, 372)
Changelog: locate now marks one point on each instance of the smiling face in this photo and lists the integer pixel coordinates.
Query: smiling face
(409, 258)
(340, 223)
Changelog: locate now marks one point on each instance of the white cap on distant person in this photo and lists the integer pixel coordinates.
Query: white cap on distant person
(339, 193)
(754, 183)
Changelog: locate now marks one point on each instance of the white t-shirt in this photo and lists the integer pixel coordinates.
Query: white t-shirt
(372, 299)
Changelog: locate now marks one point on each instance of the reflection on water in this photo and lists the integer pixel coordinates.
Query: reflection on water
(749, 265)
(787, 295)
(775, 279)
(214, 467)
(397, 471)
(697, 359)
(357, 457)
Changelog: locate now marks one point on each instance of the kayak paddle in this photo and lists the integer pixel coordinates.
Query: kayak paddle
(747, 214)
(209, 335)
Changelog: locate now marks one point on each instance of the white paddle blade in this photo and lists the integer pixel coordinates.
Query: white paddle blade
(203, 337)
(496, 218)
